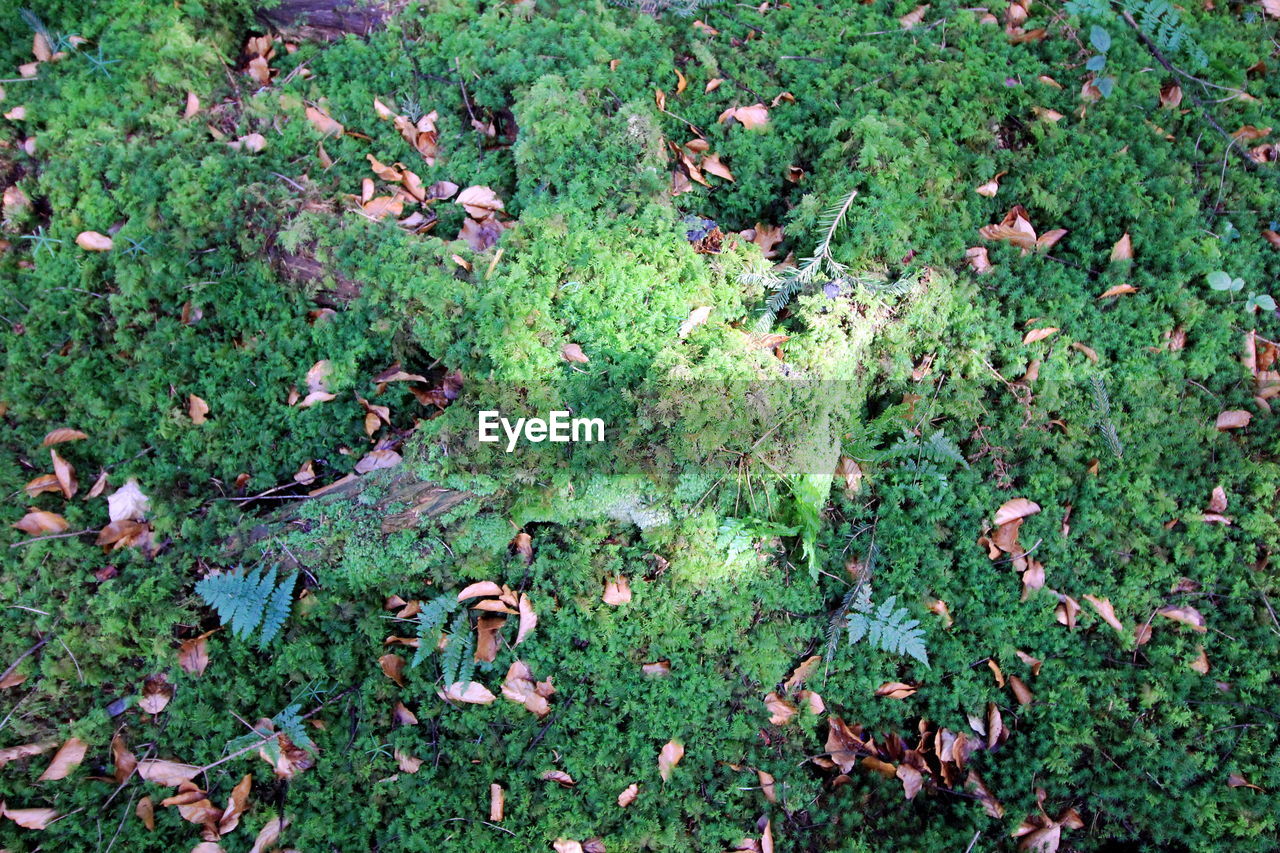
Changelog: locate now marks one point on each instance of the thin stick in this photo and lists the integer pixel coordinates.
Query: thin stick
(23, 657)
(50, 536)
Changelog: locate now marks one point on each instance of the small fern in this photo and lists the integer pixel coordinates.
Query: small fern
(250, 601)
(1102, 413)
(887, 627)
(431, 619)
(1163, 25)
(457, 662)
(786, 284)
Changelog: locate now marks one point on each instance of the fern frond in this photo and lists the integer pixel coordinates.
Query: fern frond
(461, 644)
(245, 600)
(431, 619)
(293, 726)
(888, 628)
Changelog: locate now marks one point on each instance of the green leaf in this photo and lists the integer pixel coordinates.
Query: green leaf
(1219, 280)
(1100, 39)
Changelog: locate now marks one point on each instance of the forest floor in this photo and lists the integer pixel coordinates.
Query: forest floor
(935, 350)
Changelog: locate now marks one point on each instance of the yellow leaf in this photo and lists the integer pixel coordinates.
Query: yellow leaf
(323, 122)
(1039, 334)
(1123, 249)
(37, 521)
(92, 241)
(668, 757)
(1117, 290)
(66, 759)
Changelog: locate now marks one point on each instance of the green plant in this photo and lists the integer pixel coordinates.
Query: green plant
(791, 280)
(1102, 414)
(431, 619)
(250, 600)
(887, 627)
(1223, 281)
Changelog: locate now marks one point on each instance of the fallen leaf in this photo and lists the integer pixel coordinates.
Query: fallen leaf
(567, 845)
(1235, 780)
(1233, 419)
(92, 241)
(63, 434)
(37, 521)
(628, 795)
(403, 716)
(520, 687)
(657, 669)
(696, 318)
(197, 409)
(30, 818)
(897, 690)
(65, 474)
(1201, 663)
(26, 750)
(940, 607)
(756, 115)
(156, 693)
(1014, 509)
(480, 589)
(128, 503)
(393, 667)
(66, 759)
(909, 21)
(376, 460)
(146, 812)
(193, 654)
(912, 780)
(780, 710)
(323, 122)
(471, 693)
(991, 187)
(528, 620)
(802, 673)
(573, 353)
(406, 762)
(617, 590)
(1187, 615)
(1039, 334)
(1118, 290)
(668, 757)
(711, 163)
(712, 85)
(125, 761)
(167, 773)
(479, 202)
(1171, 95)
(1106, 611)
(269, 835)
(559, 777)
(978, 260)
(1123, 249)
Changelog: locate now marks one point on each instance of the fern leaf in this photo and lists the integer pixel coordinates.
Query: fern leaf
(277, 610)
(460, 644)
(889, 629)
(291, 724)
(431, 619)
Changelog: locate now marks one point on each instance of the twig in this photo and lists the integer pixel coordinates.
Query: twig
(1233, 144)
(23, 657)
(50, 536)
(476, 820)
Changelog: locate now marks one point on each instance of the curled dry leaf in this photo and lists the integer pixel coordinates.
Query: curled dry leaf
(560, 778)
(756, 115)
(92, 241)
(668, 757)
(40, 485)
(696, 318)
(125, 761)
(1015, 509)
(1187, 615)
(1067, 610)
(167, 773)
(393, 667)
(37, 522)
(628, 795)
(479, 202)
(940, 607)
(1020, 690)
(1123, 249)
(573, 353)
(470, 693)
(1117, 290)
(1233, 419)
(403, 716)
(146, 812)
(38, 818)
(26, 750)
(156, 693)
(406, 762)
(780, 710)
(128, 503)
(63, 434)
(66, 759)
(1201, 663)
(65, 474)
(1106, 611)
(519, 687)
(375, 460)
(193, 654)
(978, 260)
(197, 409)
(897, 690)
(269, 835)
(480, 589)
(657, 669)
(1170, 96)
(617, 590)
(1039, 334)
(528, 620)
(324, 122)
